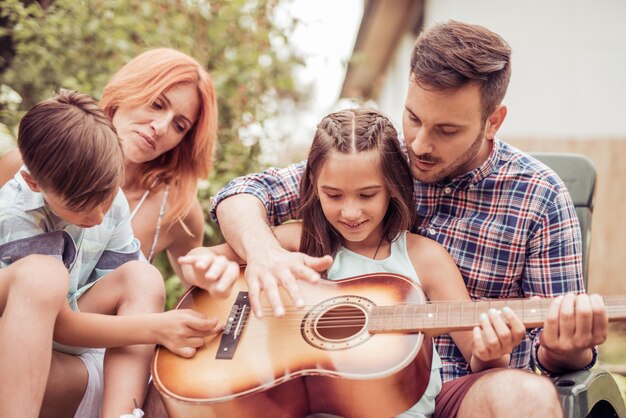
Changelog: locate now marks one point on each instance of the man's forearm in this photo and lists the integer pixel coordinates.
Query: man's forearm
(269, 265)
(243, 222)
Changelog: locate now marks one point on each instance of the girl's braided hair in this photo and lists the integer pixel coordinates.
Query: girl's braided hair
(354, 131)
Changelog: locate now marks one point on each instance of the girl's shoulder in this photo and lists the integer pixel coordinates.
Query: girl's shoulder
(416, 241)
(288, 234)
(425, 250)
(432, 263)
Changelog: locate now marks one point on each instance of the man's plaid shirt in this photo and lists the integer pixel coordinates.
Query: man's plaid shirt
(510, 225)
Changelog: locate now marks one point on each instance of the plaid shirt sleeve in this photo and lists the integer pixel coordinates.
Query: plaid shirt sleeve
(554, 260)
(276, 188)
(554, 263)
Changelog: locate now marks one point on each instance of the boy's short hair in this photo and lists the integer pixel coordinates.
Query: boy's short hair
(71, 149)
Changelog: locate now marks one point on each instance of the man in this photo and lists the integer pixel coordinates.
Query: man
(506, 219)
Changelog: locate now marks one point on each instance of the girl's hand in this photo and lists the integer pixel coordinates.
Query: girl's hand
(209, 271)
(182, 331)
(499, 333)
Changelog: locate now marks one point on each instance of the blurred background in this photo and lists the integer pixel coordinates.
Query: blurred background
(279, 66)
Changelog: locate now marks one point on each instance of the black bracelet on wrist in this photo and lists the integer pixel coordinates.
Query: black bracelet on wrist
(535, 357)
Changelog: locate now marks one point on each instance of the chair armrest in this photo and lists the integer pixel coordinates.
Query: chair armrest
(590, 393)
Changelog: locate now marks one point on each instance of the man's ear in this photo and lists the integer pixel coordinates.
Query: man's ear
(30, 181)
(494, 121)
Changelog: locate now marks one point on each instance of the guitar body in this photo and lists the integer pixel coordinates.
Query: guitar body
(320, 358)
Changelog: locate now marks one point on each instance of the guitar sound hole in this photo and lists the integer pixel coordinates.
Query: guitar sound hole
(341, 322)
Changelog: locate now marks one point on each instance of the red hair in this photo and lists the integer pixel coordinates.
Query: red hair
(140, 82)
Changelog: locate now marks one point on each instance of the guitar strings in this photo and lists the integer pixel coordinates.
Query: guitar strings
(496, 303)
(358, 317)
(352, 320)
(360, 323)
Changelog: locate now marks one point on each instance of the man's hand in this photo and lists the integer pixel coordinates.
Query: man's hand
(269, 265)
(574, 324)
(277, 267)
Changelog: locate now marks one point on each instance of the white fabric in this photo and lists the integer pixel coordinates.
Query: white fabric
(349, 264)
(92, 400)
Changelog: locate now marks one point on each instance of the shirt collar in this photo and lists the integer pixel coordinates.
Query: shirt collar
(31, 200)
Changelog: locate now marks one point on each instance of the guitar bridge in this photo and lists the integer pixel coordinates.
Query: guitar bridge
(234, 326)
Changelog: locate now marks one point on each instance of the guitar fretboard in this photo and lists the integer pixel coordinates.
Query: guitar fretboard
(442, 317)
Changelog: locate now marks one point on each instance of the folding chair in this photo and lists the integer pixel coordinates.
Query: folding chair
(588, 393)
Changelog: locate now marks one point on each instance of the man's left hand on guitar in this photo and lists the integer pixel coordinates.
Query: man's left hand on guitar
(574, 324)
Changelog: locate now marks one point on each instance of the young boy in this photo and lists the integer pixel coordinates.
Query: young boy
(65, 232)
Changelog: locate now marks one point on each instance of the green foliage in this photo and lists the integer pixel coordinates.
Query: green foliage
(173, 290)
(79, 44)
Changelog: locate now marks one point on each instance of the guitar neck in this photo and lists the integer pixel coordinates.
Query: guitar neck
(443, 317)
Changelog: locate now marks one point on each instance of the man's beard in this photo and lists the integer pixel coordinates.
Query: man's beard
(456, 168)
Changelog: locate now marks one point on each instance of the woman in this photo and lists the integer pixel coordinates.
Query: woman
(163, 106)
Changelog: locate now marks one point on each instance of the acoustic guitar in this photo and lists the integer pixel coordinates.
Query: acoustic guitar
(359, 348)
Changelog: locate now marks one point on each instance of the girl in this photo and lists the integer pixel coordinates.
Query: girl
(357, 205)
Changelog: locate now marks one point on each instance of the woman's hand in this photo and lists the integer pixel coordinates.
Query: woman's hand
(210, 271)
